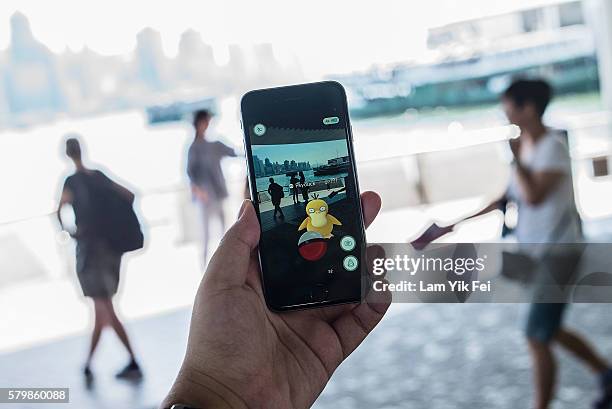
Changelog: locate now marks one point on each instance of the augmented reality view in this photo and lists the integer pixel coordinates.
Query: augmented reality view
(306, 194)
(302, 192)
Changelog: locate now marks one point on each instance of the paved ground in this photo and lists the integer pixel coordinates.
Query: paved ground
(458, 356)
(421, 356)
(159, 341)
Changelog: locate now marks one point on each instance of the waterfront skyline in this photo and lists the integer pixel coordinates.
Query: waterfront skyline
(37, 83)
(313, 153)
(83, 68)
(267, 168)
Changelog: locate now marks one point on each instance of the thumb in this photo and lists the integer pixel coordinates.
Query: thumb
(229, 265)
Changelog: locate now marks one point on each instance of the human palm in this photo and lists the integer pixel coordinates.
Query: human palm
(245, 355)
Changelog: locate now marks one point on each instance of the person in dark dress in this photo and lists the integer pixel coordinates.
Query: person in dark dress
(294, 188)
(304, 188)
(97, 263)
(276, 194)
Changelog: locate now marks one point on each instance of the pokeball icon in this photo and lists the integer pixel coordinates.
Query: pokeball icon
(312, 246)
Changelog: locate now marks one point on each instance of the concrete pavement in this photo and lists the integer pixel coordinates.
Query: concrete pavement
(433, 356)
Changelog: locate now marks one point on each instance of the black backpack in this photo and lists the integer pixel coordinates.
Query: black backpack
(126, 234)
(117, 221)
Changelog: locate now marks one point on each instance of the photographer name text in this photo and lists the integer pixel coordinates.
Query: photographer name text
(423, 286)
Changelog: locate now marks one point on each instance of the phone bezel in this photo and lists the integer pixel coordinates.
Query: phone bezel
(294, 93)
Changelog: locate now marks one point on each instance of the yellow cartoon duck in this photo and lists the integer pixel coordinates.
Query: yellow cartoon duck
(318, 219)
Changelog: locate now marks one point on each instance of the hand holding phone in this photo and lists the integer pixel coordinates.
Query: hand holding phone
(232, 328)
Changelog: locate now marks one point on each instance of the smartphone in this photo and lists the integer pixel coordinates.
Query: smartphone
(303, 183)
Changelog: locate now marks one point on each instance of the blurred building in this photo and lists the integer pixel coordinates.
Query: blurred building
(267, 66)
(470, 62)
(195, 62)
(150, 59)
(460, 37)
(36, 84)
(31, 82)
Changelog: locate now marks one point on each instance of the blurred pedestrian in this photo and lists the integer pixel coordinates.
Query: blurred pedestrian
(303, 186)
(98, 258)
(276, 194)
(207, 181)
(541, 185)
(294, 188)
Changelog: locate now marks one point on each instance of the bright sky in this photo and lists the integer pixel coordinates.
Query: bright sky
(326, 36)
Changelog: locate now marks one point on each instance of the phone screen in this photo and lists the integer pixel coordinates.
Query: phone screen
(304, 188)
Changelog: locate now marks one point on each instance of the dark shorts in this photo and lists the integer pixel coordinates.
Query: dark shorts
(557, 274)
(544, 320)
(98, 268)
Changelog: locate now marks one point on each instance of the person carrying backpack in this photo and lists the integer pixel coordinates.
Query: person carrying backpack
(276, 194)
(106, 227)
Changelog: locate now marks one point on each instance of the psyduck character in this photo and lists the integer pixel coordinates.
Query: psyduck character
(318, 219)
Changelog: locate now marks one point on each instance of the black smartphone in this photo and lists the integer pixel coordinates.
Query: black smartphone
(302, 178)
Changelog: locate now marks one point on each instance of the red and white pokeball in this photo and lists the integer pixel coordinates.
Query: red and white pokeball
(312, 246)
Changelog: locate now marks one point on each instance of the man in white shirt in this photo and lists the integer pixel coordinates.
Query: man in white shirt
(541, 185)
